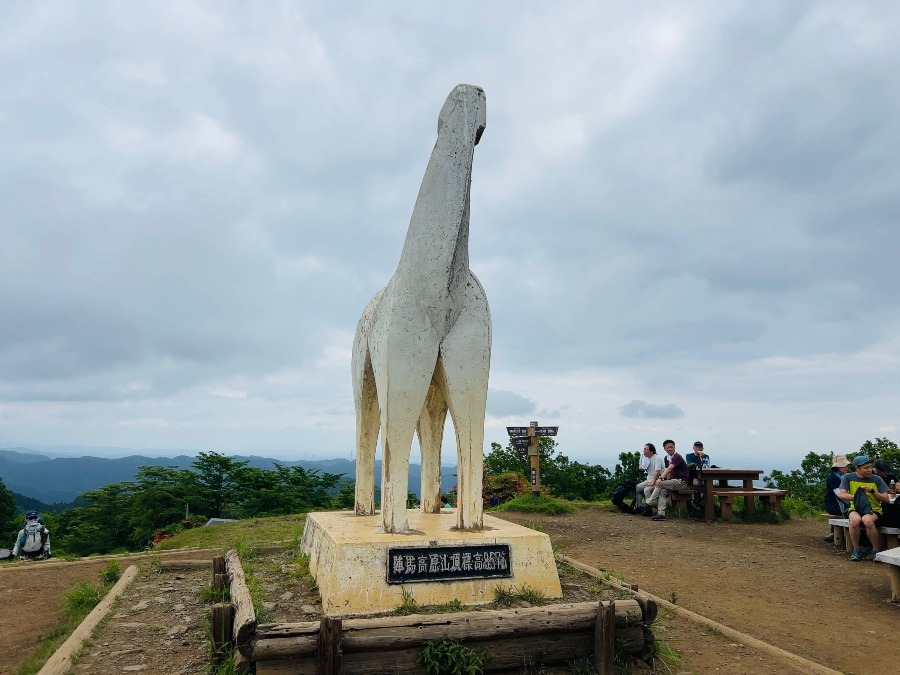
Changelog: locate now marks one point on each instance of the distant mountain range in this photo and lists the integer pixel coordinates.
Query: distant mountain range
(62, 479)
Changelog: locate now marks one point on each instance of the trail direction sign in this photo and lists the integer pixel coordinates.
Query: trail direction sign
(528, 438)
(520, 443)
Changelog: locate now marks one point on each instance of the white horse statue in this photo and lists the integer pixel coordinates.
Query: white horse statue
(423, 344)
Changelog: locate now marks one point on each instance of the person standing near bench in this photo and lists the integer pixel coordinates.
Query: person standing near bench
(834, 507)
(673, 478)
(865, 493)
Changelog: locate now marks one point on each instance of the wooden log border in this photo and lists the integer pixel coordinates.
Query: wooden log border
(244, 614)
(546, 634)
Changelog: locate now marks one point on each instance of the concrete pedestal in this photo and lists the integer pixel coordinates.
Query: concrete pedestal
(348, 560)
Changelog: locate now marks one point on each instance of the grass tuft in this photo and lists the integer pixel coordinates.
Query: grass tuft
(541, 504)
(408, 604)
(531, 595)
(504, 596)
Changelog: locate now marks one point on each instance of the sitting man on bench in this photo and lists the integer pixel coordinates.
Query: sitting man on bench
(673, 478)
(655, 465)
(865, 493)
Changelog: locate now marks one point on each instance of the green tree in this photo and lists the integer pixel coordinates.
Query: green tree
(8, 526)
(215, 482)
(346, 496)
(100, 527)
(560, 475)
(628, 468)
(806, 483)
(882, 448)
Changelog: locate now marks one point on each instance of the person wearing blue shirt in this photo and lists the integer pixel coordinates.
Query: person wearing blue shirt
(698, 457)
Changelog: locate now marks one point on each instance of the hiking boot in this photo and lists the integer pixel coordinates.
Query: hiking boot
(829, 538)
(856, 556)
(658, 516)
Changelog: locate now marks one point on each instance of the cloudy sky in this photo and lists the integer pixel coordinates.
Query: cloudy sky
(684, 216)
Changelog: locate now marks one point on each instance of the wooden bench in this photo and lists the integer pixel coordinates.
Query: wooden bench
(681, 499)
(889, 536)
(892, 558)
(770, 499)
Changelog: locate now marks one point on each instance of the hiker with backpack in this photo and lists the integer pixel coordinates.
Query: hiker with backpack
(33, 540)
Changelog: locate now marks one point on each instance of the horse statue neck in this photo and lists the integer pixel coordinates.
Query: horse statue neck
(435, 257)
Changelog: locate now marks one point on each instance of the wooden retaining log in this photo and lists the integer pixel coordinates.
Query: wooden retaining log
(244, 614)
(605, 639)
(299, 640)
(220, 575)
(222, 624)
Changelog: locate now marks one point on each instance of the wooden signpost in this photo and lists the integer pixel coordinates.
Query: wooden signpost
(528, 439)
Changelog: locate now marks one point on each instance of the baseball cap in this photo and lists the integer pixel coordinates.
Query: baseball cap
(861, 460)
(698, 444)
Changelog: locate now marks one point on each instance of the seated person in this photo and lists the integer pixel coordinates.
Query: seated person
(865, 493)
(654, 465)
(673, 478)
(33, 540)
(698, 458)
(883, 470)
(833, 506)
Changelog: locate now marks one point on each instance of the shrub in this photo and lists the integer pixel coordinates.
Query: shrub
(506, 485)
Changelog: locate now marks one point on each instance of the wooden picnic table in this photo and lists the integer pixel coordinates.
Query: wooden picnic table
(717, 480)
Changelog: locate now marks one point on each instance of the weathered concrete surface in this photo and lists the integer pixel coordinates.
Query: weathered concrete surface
(423, 344)
(348, 560)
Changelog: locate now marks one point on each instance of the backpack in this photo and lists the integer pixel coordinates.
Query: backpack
(622, 491)
(35, 536)
(697, 506)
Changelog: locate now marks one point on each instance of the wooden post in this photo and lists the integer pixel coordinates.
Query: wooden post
(220, 578)
(605, 639)
(330, 633)
(222, 622)
(535, 455)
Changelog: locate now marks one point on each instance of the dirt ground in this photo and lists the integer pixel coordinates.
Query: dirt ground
(779, 583)
(30, 603)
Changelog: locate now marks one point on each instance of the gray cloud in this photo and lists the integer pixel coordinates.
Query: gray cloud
(190, 211)
(641, 409)
(503, 403)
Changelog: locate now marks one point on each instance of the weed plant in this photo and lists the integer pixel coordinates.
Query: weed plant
(448, 657)
(531, 595)
(408, 604)
(504, 596)
(212, 595)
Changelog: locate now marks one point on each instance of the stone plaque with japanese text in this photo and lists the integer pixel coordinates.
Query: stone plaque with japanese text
(448, 563)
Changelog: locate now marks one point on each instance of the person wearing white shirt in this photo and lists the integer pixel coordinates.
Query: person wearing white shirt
(654, 464)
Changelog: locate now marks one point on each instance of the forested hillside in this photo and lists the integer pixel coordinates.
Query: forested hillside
(62, 479)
